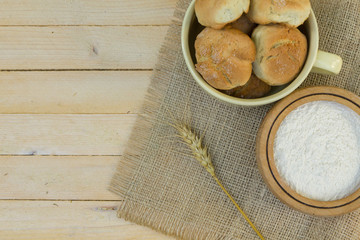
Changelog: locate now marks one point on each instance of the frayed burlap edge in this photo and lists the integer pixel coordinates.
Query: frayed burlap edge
(130, 161)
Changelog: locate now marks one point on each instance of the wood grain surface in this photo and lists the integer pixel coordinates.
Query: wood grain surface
(73, 76)
(75, 92)
(81, 220)
(64, 134)
(57, 177)
(86, 12)
(80, 47)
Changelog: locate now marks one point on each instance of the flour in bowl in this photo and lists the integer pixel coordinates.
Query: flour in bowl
(316, 150)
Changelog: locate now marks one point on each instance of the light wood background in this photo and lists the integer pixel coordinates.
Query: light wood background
(73, 74)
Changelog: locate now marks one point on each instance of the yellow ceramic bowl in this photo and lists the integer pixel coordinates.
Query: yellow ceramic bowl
(317, 61)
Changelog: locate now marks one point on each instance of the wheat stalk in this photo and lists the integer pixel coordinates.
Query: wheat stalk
(202, 155)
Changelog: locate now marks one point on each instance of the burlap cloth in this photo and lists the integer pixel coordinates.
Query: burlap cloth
(169, 191)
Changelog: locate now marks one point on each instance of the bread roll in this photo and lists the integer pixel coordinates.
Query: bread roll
(254, 88)
(224, 57)
(244, 24)
(280, 53)
(217, 13)
(292, 13)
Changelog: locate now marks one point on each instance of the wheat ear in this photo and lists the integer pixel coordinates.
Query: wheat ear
(202, 155)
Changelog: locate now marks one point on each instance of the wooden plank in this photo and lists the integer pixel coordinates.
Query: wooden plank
(86, 12)
(44, 134)
(57, 177)
(80, 47)
(73, 92)
(80, 220)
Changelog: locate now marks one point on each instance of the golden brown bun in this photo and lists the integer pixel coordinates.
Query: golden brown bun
(244, 24)
(224, 57)
(217, 13)
(292, 13)
(280, 53)
(254, 88)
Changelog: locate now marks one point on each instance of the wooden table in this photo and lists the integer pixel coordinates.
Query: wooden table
(73, 76)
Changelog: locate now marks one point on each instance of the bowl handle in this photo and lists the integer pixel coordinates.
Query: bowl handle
(327, 63)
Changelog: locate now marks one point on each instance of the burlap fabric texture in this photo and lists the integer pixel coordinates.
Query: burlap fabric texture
(166, 189)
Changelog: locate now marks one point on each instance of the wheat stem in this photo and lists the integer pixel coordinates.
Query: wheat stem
(238, 207)
(203, 157)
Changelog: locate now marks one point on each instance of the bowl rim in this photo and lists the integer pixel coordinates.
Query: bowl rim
(264, 151)
(310, 60)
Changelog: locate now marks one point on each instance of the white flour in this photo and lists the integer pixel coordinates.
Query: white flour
(317, 151)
